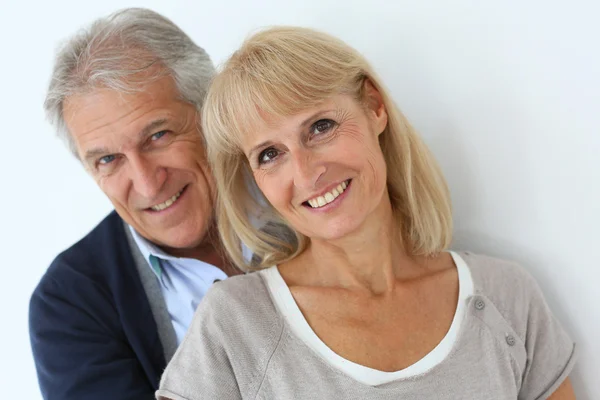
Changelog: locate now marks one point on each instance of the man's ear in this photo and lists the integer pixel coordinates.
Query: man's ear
(375, 107)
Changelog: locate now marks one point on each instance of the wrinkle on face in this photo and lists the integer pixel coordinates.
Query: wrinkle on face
(115, 122)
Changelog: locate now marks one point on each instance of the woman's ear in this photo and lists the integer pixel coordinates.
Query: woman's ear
(375, 107)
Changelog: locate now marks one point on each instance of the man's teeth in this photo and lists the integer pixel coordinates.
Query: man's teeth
(166, 204)
(328, 197)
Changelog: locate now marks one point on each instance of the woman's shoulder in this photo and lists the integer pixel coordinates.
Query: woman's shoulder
(235, 308)
(509, 286)
(229, 344)
(238, 286)
(506, 289)
(239, 305)
(494, 276)
(485, 268)
(244, 294)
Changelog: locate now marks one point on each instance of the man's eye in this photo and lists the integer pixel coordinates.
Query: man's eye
(267, 156)
(321, 126)
(158, 135)
(106, 159)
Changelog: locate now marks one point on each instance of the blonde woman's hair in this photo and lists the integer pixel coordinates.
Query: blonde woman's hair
(281, 72)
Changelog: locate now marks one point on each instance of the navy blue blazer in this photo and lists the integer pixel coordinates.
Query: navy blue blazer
(92, 331)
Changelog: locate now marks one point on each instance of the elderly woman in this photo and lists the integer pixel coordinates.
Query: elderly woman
(357, 296)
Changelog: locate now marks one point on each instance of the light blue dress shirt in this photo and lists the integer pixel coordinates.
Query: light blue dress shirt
(183, 282)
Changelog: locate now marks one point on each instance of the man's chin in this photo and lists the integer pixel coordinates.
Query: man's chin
(178, 238)
(180, 235)
(183, 248)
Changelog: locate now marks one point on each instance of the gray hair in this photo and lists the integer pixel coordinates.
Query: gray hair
(112, 52)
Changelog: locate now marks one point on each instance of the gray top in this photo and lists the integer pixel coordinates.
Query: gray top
(248, 342)
(165, 329)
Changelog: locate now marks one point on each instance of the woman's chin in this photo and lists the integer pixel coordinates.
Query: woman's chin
(332, 232)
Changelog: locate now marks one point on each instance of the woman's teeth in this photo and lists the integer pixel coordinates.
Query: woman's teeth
(329, 196)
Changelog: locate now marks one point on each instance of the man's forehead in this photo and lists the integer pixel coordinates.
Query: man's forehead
(96, 117)
(87, 108)
(107, 108)
(159, 92)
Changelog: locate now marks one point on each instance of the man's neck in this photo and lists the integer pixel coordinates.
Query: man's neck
(209, 251)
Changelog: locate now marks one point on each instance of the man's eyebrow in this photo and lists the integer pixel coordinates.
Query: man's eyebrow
(93, 153)
(151, 127)
(145, 131)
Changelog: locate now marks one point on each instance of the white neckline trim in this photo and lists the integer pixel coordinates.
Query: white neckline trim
(287, 306)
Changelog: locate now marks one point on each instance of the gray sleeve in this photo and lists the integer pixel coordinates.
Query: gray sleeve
(550, 351)
(201, 367)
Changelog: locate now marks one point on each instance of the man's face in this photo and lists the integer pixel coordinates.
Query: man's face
(146, 153)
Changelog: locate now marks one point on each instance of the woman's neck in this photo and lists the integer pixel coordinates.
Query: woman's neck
(371, 259)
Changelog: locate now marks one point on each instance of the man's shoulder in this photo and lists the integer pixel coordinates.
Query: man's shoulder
(90, 258)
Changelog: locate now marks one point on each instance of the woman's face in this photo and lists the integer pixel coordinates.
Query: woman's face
(323, 169)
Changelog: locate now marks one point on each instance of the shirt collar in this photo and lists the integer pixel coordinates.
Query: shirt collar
(150, 251)
(148, 248)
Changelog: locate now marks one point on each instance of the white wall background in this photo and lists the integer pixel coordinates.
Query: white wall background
(506, 93)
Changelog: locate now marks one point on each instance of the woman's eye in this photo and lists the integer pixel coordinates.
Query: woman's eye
(267, 156)
(322, 126)
(158, 135)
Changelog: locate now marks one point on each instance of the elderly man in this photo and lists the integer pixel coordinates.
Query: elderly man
(108, 314)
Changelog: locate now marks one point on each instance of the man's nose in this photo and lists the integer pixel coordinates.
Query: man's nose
(147, 177)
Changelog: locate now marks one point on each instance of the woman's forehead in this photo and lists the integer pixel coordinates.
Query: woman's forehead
(273, 127)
